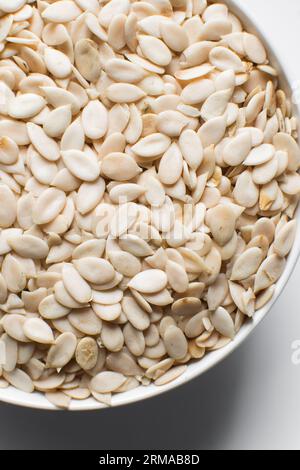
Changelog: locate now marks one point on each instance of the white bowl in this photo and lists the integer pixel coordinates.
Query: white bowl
(37, 400)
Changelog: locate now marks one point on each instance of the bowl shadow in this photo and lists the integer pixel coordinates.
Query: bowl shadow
(193, 416)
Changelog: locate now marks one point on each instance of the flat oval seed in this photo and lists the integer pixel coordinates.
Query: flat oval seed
(97, 271)
(9, 151)
(186, 306)
(85, 321)
(149, 281)
(174, 36)
(84, 166)
(225, 59)
(135, 314)
(155, 50)
(285, 239)
(124, 93)
(247, 264)
(38, 330)
(94, 120)
(246, 192)
(46, 146)
(87, 353)
(62, 11)
(259, 155)
(191, 148)
(48, 206)
(221, 220)
(50, 309)
(13, 325)
(87, 59)
(175, 342)
(20, 380)
(57, 63)
(152, 145)
(124, 71)
(269, 272)
(237, 149)
(197, 91)
(106, 382)
(58, 121)
(177, 277)
(29, 246)
(62, 351)
(77, 287)
(8, 207)
(223, 323)
(119, 166)
(26, 106)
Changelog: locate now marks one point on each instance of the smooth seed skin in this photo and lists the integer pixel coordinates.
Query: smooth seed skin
(149, 189)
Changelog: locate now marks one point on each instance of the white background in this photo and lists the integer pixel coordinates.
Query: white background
(250, 401)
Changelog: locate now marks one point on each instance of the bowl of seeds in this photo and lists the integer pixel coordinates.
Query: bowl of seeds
(148, 195)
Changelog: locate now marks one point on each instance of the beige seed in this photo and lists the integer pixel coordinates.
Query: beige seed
(85, 321)
(119, 166)
(57, 63)
(269, 272)
(87, 59)
(124, 93)
(124, 71)
(8, 207)
(221, 220)
(177, 277)
(246, 192)
(13, 274)
(112, 337)
(224, 59)
(50, 309)
(149, 281)
(97, 271)
(46, 146)
(223, 322)
(62, 351)
(174, 36)
(175, 342)
(197, 91)
(285, 238)
(94, 120)
(170, 375)
(77, 287)
(106, 382)
(48, 205)
(191, 148)
(9, 151)
(26, 106)
(254, 49)
(170, 166)
(13, 325)
(125, 263)
(20, 380)
(236, 150)
(135, 314)
(155, 50)
(84, 166)
(87, 353)
(29, 246)
(186, 306)
(58, 399)
(38, 330)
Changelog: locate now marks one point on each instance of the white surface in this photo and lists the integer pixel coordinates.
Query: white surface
(249, 401)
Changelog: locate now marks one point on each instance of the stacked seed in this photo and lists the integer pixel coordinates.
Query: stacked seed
(149, 181)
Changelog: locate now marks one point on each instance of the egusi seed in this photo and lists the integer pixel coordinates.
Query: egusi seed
(149, 182)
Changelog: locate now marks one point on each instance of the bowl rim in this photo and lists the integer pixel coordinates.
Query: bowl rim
(38, 401)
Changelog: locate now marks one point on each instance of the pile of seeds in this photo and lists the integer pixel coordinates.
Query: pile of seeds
(148, 167)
